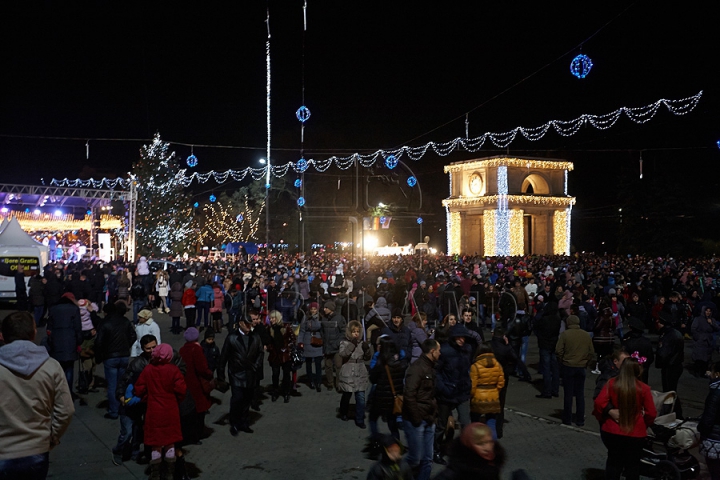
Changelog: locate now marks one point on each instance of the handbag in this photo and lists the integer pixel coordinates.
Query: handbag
(397, 399)
(316, 341)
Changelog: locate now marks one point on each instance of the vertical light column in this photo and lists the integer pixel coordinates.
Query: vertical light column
(561, 232)
(502, 227)
(454, 233)
(267, 153)
(489, 221)
(517, 232)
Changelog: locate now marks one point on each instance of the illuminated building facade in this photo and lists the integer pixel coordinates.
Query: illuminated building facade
(508, 206)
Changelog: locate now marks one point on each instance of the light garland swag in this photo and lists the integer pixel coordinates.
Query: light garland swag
(501, 140)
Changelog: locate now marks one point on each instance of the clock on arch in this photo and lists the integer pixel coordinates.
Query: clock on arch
(475, 184)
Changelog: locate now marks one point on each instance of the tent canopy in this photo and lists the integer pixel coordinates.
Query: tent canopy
(14, 235)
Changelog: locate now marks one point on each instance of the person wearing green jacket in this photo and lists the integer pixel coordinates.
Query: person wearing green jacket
(575, 352)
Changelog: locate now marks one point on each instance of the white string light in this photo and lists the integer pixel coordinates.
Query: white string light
(565, 128)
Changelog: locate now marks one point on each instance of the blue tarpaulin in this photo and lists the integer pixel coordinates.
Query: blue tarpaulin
(234, 247)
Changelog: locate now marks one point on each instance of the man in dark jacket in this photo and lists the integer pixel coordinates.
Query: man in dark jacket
(453, 383)
(420, 409)
(669, 356)
(21, 295)
(399, 333)
(64, 331)
(115, 336)
(547, 330)
(53, 288)
(241, 354)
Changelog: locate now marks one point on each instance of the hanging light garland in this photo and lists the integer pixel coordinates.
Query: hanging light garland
(565, 128)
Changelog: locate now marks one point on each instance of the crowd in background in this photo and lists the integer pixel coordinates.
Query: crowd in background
(443, 333)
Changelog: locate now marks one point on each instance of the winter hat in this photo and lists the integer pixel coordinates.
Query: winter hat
(611, 292)
(330, 306)
(313, 305)
(144, 313)
(82, 303)
(471, 299)
(163, 353)
(209, 333)
(69, 295)
(423, 282)
(188, 284)
(191, 334)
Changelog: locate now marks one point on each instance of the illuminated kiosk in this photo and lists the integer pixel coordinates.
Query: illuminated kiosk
(508, 206)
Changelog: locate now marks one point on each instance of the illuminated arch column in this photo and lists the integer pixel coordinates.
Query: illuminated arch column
(561, 232)
(454, 233)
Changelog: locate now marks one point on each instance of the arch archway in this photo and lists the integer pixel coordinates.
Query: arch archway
(535, 184)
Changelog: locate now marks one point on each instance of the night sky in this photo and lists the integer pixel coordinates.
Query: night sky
(378, 74)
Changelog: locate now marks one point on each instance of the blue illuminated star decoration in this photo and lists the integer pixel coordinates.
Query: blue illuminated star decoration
(581, 66)
(196, 204)
(192, 161)
(212, 197)
(303, 113)
(382, 219)
(412, 181)
(89, 212)
(298, 183)
(301, 165)
(718, 143)
(240, 217)
(419, 220)
(301, 201)
(391, 161)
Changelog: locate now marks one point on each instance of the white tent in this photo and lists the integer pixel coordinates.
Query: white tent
(3, 224)
(14, 236)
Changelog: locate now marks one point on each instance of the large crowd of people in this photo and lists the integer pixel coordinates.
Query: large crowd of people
(425, 343)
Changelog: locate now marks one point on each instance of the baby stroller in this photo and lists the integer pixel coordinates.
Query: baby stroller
(666, 456)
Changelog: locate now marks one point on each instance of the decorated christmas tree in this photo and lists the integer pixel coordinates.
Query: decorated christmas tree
(164, 216)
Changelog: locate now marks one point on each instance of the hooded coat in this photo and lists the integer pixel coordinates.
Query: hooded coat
(547, 327)
(37, 407)
(353, 376)
(487, 381)
(161, 385)
(703, 334)
(453, 382)
(400, 335)
(417, 336)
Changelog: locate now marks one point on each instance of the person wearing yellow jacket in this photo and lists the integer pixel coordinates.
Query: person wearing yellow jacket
(487, 378)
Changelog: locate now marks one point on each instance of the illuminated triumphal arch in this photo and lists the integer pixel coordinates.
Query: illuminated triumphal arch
(508, 206)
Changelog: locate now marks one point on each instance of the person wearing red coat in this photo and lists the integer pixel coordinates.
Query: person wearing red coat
(160, 384)
(188, 302)
(625, 409)
(197, 377)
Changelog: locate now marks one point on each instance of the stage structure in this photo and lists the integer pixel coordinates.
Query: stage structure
(508, 206)
(38, 208)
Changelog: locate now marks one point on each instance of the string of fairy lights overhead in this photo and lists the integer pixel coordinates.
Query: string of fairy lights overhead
(391, 157)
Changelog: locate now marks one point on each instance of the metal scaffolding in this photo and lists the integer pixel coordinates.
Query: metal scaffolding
(38, 196)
